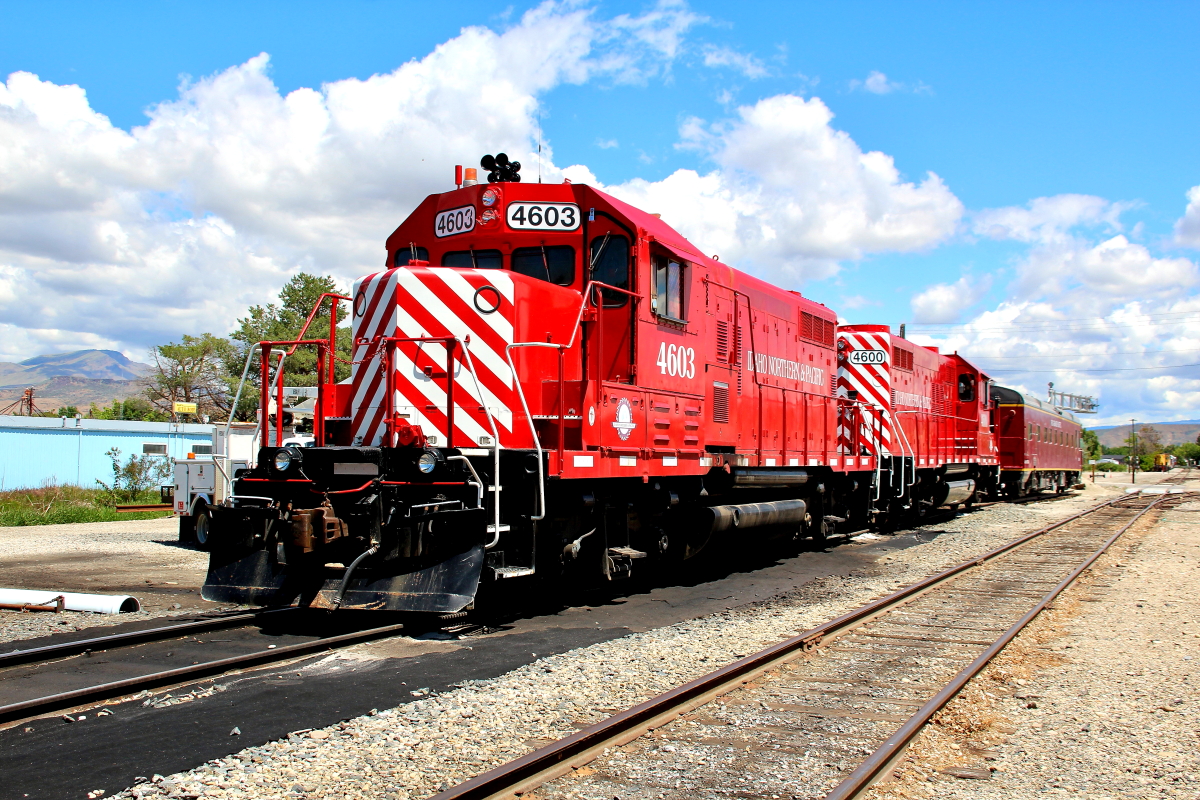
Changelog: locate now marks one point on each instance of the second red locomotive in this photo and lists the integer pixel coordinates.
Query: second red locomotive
(549, 382)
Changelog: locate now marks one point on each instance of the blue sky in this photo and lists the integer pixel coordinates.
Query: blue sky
(1004, 102)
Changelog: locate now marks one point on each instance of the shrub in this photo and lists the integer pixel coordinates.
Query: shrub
(134, 477)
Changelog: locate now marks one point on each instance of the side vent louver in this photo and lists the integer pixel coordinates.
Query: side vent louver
(723, 342)
(720, 404)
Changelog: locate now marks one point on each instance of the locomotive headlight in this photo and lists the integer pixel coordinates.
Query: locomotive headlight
(427, 463)
(283, 460)
(490, 197)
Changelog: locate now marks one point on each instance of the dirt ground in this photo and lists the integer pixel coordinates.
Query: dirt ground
(1099, 697)
(143, 558)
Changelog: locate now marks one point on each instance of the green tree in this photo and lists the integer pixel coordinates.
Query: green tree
(131, 408)
(1188, 450)
(1091, 446)
(194, 370)
(65, 411)
(1145, 441)
(283, 322)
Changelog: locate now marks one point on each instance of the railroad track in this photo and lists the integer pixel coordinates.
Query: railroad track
(203, 669)
(797, 719)
(259, 654)
(58, 650)
(1176, 479)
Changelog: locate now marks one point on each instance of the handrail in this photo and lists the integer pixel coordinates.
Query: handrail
(389, 343)
(537, 443)
(466, 345)
(332, 325)
(586, 296)
(264, 361)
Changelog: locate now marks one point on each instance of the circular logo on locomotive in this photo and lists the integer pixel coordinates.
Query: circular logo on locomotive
(624, 422)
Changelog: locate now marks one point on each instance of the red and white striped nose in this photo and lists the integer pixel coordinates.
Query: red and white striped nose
(449, 374)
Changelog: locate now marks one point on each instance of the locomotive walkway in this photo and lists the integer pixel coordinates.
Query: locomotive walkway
(796, 719)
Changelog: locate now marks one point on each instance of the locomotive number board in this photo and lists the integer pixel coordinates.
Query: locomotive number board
(456, 220)
(543, 216)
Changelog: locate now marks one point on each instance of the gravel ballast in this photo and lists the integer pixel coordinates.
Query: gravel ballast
(436, 741)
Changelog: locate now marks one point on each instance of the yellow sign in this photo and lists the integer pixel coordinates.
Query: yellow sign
(183, 408)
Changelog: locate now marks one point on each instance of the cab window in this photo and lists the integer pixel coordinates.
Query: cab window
(405, 254)
(610, 265)
(554, 264)
(474, 259)
(966, 388)
(668, 288)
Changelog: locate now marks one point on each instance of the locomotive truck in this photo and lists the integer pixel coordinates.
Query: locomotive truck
(550, 384)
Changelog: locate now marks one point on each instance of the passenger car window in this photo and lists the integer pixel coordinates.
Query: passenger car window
(405, 255)
(668, 288)
(610, 265)
(554, 264)
(474, 259)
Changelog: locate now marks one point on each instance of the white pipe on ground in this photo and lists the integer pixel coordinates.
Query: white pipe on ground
(72, 601)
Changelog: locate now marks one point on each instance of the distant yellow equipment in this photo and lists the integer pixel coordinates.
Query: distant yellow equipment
(1164, 462)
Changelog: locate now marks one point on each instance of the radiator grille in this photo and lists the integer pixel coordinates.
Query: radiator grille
(720, 405)
(723, 341)
(815, 329)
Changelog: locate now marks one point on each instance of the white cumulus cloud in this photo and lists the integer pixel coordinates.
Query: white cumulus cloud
(1088, 309)
(877, 82)
(946, 302)
(129, 238)
(790, 195)
(747, 65)
(1187, 229)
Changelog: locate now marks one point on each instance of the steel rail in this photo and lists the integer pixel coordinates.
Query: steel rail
(559, 758)
(882, 758)
(88, 694)
(15, 657)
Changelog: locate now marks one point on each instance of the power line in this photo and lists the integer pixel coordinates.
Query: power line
(1106, 369)
(1162, 315)
(1090, 355)
(1050, 327)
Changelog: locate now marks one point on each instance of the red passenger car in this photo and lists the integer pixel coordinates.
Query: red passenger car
(1040, 446)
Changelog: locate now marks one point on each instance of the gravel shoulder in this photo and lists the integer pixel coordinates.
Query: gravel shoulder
(1097, 698)
(437, 740)
(143, 558)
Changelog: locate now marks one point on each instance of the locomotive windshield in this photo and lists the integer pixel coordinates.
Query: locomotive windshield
(474, 259)
(405, 254)
(554, 264)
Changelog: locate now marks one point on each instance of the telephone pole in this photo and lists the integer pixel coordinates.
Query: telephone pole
(1132, 451)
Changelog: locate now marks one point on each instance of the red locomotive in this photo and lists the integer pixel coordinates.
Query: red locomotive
(548, 381)
(926, 417)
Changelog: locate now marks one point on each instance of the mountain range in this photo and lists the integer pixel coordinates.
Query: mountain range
(1178, 432)
(79, 378)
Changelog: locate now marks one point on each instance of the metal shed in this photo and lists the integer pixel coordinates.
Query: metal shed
(35, 451)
